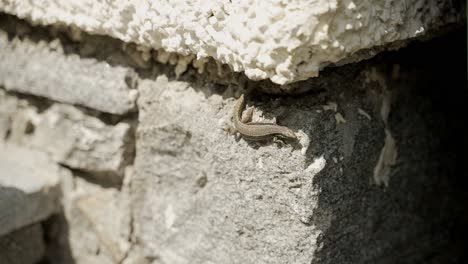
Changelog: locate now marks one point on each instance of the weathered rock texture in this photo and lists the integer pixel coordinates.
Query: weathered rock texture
(365, 184)
(377, 175)
(277, 40)
(69, 135)
(96, 224)
(83, 142)
(212, 199)
(95, 217)
(65, 78)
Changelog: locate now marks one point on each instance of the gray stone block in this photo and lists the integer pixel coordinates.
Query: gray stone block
(95, 226)
(370, 181)
(203, 197)
(29, 187)
(71, 136)
(83, 142)
(23, 246)
(37, 69)
(106, 217)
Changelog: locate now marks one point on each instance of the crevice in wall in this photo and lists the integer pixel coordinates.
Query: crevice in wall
(44, 103)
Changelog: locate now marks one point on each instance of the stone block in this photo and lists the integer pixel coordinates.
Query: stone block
(371, 179)
(83, 142)
(35, 68)
(29, 187)
(70, 135)
(95, 226)
(200, 196)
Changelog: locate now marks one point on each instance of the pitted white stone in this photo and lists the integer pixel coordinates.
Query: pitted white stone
(284, 41)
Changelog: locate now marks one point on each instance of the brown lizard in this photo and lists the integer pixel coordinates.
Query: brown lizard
(257, 131)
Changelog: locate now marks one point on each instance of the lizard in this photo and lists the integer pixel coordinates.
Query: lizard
(254, 130)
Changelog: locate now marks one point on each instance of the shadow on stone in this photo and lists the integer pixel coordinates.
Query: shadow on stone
(56, 238)
(421, 216)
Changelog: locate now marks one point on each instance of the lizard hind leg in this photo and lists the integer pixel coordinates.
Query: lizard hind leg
(247, 116)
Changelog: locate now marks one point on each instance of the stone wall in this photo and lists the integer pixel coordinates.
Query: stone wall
(284, 41)
(106, 157)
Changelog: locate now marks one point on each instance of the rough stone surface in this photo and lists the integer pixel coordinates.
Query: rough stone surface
(43, 70)
(23, 246)
(108, 216)
(376, 164)
(83, 142)
(277, 40)
(29, 187)
(212, 199)
(95, 226)
(377, 176)
(70, 135)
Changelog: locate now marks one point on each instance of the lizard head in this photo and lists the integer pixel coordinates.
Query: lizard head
(289, 134)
